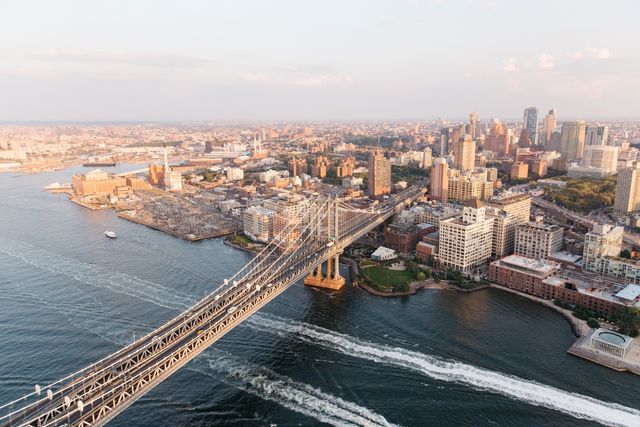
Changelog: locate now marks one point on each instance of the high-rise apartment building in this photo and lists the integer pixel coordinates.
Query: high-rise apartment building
(445, 137)
(530, 123)
(628, 190)
(596, 135)
(603, 241)
(297, 166)
(379, 174)
(291, 214)
(497, 140)
(464, 156)
(515, 204)
(572, 138)
(539, 167)
(427, 158)
(538, 240)
(346, 167)
(469, 185)
(601, 157)
(319, 167)
(466, 242)
(439, 178)
(504, 231)
(548, 125)
(257, 223)
(519, 170)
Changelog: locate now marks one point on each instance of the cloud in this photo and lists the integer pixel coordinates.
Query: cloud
(546, 62)
(592, 53)
(598, 53)
(256, 77)
(305, 80)
(320, 81)
(510, 65)
(162, 60)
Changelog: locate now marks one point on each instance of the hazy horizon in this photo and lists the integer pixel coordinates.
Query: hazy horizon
(317, 61)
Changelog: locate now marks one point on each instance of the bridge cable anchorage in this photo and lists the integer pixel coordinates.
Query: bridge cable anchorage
(146, 362)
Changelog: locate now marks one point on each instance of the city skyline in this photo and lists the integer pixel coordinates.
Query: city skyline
(399, 60)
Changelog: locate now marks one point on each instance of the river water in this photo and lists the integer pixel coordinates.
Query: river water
(69, 296)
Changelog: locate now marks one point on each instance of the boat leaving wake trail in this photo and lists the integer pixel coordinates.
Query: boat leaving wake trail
(534, 393)
(574, 404)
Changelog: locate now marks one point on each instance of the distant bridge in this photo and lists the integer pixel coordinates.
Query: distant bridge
(97, 393)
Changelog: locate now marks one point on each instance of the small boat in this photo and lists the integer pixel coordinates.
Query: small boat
(110, 234)
(57, 187)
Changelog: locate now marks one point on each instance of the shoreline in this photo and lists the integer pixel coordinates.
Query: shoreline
(226, 241)
(578, 327)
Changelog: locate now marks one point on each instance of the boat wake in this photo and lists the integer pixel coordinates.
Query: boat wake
(299, 397)
(92, 317)
(531, 392)
(574, 404)
(96, 276)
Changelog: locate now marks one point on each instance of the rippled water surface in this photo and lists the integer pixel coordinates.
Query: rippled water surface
(69, 296)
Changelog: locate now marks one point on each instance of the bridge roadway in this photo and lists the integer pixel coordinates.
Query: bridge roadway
(117, 381)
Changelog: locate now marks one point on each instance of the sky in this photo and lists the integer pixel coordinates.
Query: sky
(317, 60)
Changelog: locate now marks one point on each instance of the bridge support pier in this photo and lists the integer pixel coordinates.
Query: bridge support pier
(332, 280)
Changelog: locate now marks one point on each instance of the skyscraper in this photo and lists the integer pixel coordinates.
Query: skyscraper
(596, 135)
(497, 140)
(439, 184)
(572, 140)
(548, 125)
(464, 156)
(427, 158)
(379, 174)
(628, 190)
(474, 130)
(445, 136)
(530, 123)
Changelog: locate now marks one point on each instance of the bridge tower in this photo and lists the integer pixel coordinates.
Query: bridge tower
(332, 279)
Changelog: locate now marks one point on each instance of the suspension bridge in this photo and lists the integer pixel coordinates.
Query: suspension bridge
(97, 393)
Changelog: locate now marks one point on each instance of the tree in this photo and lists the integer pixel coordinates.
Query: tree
(421, 276)
(628, 320)
(625, 253)
(593, 323)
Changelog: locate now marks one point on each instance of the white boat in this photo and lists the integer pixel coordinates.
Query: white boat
(57, 187)
(110, 234)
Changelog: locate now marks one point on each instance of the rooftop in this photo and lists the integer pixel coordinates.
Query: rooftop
(566, 256)
(631, 293)
(540, 226)
(612, 338)
(508, 197)
(540, 268)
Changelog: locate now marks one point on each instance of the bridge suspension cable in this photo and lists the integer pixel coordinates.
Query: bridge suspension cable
(105, 388)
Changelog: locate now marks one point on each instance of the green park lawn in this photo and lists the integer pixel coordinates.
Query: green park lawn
(384, 279)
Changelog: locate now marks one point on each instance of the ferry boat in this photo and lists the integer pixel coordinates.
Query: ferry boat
(110, 234)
